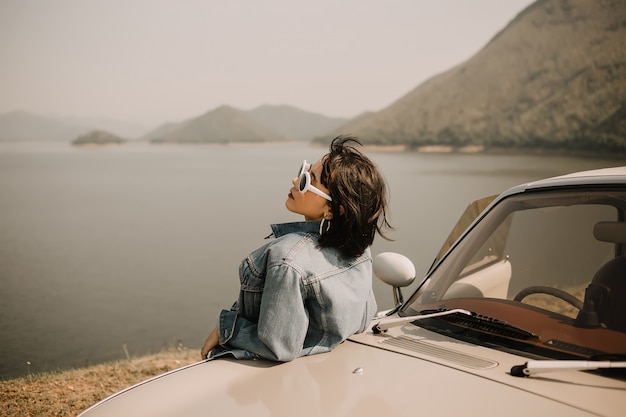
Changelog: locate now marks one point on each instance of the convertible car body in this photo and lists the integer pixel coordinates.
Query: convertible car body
(523, 312)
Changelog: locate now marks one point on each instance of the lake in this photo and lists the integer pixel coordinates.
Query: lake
(105, 251)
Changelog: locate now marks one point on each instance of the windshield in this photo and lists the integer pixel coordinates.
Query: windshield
(549, 263)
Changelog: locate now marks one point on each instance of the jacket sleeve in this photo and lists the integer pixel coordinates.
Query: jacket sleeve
(283, 320)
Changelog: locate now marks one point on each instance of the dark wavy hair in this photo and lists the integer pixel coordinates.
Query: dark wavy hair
(359, 194)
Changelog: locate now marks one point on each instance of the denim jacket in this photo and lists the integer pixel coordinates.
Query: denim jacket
(296, 299)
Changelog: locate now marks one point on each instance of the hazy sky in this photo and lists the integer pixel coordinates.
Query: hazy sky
(151, 61)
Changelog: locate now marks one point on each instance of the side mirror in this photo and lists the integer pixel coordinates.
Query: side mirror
(396, 270)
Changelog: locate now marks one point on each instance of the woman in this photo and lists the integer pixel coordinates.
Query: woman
(310, 287)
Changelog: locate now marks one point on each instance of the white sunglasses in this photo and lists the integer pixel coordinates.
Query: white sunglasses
(304, 182)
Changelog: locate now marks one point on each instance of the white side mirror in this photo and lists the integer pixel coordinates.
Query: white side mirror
(394, 269)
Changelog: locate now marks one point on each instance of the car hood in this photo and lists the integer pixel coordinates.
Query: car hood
(370, 375)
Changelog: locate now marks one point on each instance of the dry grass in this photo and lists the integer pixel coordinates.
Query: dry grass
(69, 392)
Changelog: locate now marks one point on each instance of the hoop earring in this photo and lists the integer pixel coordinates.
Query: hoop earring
(324, 229)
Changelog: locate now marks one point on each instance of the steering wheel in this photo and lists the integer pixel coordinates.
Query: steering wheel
(555, 292)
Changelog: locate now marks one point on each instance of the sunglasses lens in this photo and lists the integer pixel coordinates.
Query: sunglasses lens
(302, 183)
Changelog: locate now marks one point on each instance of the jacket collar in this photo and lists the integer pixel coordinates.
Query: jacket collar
(281, 229)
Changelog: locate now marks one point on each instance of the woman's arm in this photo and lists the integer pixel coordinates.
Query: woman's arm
(283, 319)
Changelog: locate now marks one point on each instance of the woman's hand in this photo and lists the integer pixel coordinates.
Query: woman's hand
(210, 343)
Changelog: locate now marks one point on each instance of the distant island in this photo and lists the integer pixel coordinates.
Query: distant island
(98, 137)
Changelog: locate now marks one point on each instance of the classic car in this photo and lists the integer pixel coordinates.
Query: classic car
(523, 312)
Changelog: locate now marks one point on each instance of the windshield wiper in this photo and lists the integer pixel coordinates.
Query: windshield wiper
(486, 324)
(383, 325)
(539, 367)
(463, 318)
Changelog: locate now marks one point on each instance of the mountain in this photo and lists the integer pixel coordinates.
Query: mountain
(162, 131)
(294, 123)
(280, 122)
(222, 125)
(554, 77)
(24, 126)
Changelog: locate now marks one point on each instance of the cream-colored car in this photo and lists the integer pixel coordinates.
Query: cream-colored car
(523, 313)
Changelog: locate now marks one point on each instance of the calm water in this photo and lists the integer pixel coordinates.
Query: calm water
(138, 246)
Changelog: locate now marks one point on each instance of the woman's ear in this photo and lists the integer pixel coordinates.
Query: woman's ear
(329, 214)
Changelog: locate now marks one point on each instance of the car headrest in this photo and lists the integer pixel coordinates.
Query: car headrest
(613, 232)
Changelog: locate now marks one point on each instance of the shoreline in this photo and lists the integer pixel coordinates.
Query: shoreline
(396, 148)
(426, 149)
(69, 392)
(482, 150)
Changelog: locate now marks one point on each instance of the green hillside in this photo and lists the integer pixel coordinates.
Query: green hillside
(553, 78)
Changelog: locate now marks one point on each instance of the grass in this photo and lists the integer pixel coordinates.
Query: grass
(67, 393)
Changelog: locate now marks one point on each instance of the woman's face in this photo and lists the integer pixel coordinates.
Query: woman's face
(309, 204)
